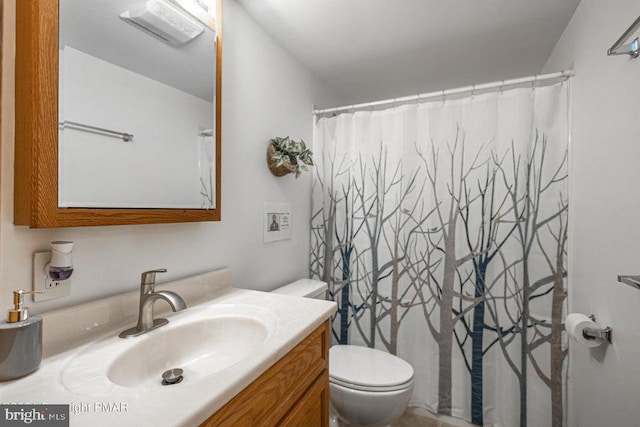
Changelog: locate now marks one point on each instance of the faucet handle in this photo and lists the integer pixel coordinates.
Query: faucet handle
(149, 277)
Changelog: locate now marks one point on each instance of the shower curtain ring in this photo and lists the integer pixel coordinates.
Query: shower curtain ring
(473, 91)
(444, 96)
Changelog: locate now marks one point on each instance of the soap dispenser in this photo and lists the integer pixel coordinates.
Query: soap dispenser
(20, 340)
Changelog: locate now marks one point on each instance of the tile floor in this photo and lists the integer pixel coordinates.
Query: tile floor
(411, 419)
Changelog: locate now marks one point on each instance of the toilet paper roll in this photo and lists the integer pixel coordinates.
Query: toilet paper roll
(575, 324)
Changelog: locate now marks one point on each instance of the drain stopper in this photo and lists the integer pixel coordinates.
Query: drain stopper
(172, 376)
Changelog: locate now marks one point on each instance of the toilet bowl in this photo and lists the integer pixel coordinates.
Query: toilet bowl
(367, 387)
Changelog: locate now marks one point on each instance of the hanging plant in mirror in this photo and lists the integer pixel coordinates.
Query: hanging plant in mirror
(285, 156)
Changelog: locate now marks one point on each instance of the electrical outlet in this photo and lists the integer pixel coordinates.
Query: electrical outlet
(42, 282)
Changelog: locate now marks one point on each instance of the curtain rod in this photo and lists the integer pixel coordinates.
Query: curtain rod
(442, 93)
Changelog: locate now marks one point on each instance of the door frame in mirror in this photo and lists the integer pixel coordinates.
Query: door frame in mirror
(36, 132)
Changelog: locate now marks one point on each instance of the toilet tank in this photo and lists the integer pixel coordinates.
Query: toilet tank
(307, 288)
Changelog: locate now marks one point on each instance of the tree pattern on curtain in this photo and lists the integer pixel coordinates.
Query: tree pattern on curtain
(473, 240)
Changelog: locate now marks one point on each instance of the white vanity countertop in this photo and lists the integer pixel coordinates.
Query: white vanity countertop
(67, 332)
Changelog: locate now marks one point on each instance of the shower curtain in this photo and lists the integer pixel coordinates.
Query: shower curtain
(441, 228)
(206, 162)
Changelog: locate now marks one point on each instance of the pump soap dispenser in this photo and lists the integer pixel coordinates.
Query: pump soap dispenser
(20, 340)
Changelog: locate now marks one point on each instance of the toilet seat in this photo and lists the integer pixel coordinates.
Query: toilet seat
(373, 389)
(368, 369)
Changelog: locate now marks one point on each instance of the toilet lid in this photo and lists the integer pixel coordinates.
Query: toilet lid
(367, 367)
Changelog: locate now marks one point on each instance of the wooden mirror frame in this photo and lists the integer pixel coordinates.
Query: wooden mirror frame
(36, 139)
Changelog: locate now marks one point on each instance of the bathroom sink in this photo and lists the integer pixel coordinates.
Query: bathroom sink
(202, 342)
(199, 348)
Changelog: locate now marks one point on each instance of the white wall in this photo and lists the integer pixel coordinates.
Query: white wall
(158, 168)
(265, 93)
(605, 207)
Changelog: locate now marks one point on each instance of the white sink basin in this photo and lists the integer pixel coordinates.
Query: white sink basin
(199, 348)
(201, 342)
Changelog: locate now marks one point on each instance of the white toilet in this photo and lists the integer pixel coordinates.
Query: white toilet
(367, 387)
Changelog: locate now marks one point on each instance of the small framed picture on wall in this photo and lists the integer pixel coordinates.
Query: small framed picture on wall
(277, 221)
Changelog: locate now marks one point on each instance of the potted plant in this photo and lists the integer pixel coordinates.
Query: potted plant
(285, 156)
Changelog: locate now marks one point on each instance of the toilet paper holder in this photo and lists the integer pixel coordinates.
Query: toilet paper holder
(594, 333)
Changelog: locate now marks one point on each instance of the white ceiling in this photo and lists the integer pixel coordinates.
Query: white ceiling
(376, 49)
(95, 27)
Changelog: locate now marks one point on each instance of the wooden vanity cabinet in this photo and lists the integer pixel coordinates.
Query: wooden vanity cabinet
(292, 392)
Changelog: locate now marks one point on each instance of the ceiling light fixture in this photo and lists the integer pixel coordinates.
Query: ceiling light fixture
(165, 21)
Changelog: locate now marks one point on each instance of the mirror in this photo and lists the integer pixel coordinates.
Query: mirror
(136, 105)
(125, 94)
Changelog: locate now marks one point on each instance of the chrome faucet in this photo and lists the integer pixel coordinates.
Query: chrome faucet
(148, 297)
